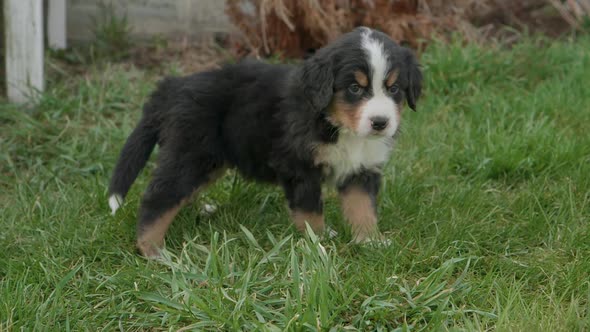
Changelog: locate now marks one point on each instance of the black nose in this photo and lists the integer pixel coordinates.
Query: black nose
(379, 122)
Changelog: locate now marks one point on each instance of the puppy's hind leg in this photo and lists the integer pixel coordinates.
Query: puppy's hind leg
(174, 182)
(305, 202)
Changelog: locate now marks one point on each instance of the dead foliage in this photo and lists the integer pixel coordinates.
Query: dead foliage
(291, 27)
(574, 12)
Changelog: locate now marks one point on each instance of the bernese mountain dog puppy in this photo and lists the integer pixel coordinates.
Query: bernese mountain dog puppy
(331, 119)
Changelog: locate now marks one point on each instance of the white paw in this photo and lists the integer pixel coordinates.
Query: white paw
(208, 209)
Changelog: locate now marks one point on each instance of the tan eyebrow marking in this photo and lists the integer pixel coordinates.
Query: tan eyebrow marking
(392, 77)
(361, 78)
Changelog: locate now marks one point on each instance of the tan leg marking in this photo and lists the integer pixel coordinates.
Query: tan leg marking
(315, 221)
(151, 239)
(359, 211)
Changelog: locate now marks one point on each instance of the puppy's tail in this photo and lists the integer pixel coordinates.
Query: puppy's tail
(132, 159)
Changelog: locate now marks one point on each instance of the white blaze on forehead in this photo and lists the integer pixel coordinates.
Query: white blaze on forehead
(377, 60)
(380, 104)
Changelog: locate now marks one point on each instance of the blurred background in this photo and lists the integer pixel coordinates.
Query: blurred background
(198, 33)
(290, 27)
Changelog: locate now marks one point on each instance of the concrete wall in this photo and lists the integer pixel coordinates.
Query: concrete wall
(192, 18)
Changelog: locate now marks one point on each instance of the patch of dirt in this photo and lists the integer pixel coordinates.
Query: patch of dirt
(158, 58)
(186, 56)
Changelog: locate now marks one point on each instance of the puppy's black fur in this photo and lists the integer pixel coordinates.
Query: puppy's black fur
(264, 120)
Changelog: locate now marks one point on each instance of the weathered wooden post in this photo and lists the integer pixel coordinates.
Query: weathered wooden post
(56, 24)
(23, 21)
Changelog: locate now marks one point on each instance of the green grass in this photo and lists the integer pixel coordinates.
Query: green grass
(486, 201)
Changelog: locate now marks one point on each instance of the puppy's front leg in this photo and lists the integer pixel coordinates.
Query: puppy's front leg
(305, 202)
(358, 197)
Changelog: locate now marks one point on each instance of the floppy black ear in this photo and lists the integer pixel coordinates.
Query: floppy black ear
(317, 79)
(414, 89)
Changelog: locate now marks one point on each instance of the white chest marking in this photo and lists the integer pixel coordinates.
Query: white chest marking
(352, 153)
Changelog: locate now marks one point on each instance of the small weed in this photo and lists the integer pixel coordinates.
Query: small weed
(111, 34)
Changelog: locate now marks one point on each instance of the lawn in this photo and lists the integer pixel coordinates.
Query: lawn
(486, 201)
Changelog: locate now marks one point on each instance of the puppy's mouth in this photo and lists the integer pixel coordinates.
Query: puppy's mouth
(370, 135)
(377, 135)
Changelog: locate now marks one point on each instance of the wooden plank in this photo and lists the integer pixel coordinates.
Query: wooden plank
(24, 49)
(56, 24)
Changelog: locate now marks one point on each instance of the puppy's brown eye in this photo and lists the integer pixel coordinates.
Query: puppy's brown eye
(394, 89)
(355, 89)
